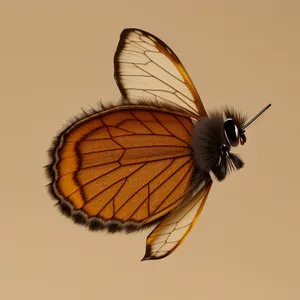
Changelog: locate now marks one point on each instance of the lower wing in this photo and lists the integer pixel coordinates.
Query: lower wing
(170, 233)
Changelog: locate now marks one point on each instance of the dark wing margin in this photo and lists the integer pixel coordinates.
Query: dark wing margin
(146, 69)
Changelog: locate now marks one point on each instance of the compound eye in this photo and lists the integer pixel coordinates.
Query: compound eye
(231, 132)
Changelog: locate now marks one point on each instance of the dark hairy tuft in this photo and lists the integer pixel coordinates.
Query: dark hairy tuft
(208, 138)
(238, 117)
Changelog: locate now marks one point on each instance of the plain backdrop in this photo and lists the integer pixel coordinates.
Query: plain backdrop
(56, 58)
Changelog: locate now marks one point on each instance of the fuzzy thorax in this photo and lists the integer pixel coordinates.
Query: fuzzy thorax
(211, 149)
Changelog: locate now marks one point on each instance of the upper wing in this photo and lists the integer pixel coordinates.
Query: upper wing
(120, 167)
(147, 69)
(170, 233)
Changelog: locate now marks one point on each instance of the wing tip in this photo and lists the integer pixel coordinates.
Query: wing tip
(148, 254)
(145, 258)
(150, 257)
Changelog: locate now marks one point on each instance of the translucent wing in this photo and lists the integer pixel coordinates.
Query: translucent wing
(147, 69)
(170, 232)
(122, 168)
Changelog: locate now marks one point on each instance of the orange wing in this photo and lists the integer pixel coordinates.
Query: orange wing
(147, 70)
(123, 168)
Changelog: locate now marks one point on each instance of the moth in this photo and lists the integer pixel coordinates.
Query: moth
(149, 159)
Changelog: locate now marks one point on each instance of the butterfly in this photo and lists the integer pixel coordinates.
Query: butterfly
(149, 159)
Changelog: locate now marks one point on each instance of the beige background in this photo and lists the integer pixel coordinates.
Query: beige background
(56, 57)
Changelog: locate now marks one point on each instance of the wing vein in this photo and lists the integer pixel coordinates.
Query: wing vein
(83, 185)
(175, 186)
(182, 125)
(114, 183)
(112, 199)
(149, 189)
(168, 99)
(142, 188)
(165, 69)
(168, 130)
(162, 81)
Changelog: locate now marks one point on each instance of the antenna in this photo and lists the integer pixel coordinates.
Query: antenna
(255, 117)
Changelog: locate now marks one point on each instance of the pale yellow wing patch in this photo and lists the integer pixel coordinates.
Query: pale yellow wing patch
(147, 69)
(170, 233)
